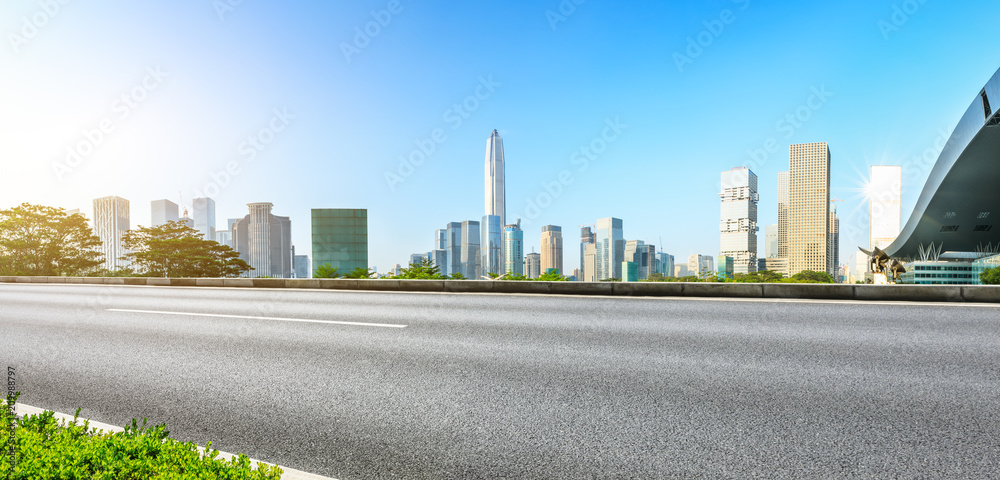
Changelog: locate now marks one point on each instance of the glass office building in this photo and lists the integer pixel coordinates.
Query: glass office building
(491, 247)
(470, 250)
(610, 248)
(513, 251)
(340, 238)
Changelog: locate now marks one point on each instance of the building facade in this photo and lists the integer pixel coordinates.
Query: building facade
(809, 246)
(470, 250)
(609, 241)
(454, 247)
(495, 204)
(204, 217)
(552, 248)
(111, 221)
(264, 241)
(586, 238)
(513, 249)
(738, 220)
(491, 245)
(533, 265)
(340, 238)
(162, 211)
(630, 272)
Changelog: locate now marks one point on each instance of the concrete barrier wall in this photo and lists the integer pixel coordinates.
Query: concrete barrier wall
(906, 293)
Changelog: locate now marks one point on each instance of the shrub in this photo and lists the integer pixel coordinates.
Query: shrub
(47, 450)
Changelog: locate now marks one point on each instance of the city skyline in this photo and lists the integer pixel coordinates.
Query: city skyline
(207, 122)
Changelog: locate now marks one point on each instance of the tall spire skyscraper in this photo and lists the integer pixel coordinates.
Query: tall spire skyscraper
(494, 177)
(492, 248)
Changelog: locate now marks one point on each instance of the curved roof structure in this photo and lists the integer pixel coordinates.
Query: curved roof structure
(959, 207)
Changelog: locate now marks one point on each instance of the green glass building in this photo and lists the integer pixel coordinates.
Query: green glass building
(340, 238)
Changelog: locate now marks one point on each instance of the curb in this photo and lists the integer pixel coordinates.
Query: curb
(811, 291)
(22, 410)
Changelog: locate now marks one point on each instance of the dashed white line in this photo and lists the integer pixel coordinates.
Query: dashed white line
(303, 320)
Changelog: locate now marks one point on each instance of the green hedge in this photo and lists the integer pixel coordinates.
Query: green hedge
(47, 450)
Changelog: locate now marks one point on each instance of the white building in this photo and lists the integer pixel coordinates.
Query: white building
(161, 212)
(738, 224)
(111, 221)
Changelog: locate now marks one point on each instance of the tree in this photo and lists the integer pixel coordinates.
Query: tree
(359, 272)
(422, 270)
(812, 276)
(177, 250)
(326, 271)
(761, 276)
(990, 276)
(40, 240)
(552, 275)
(457, 276)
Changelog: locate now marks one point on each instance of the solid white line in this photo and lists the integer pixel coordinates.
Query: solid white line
(23, 410)
(304, 320)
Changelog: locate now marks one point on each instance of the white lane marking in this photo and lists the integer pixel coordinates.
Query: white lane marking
(304, 320)
(23, 410)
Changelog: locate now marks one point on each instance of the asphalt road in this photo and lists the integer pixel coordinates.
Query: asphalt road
(496, 386)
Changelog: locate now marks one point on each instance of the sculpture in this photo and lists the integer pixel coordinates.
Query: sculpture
(879, 263)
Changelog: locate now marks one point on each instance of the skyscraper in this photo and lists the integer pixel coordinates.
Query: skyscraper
(111, 221)
(586, 238)
(161, 212)
(782, 215)
(552, 248)
(265, 242)
(809, 246)
(590, 262)
(738, 225)
(884, 189)
(340, 238)
(454, 247)
(491, 245)
(300, 265)
(495, 206)
(204, 217)
(665, 264)
(834, 241)
(470, 250)
(533, 265)
(700, 265)
(771, 241)
(610, 248)
(513, 249)
(440, 252)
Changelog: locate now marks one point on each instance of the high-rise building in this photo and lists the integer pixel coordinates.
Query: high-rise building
(418, 258)
(642, 255)
(513, 248)
(111, 221)
(700, 265)
(495, 206)
(340, 238)
(552, 248)
(809, 246)
(491, 246)
(726, 267)
(681, 271)
(782, 215)
(630, 272)
(609, 240)
(470, 250)
(161, 212)
(834, 241)
(454, 247)
(204, 217)
(586, 238)
(883, 193)
(533, 265)
(224, 237)
(738, 225)
(441, 258)
(665, 264)
(771, 241)
(590, 262)
(577, 275)
(265, 242)
(300, 264)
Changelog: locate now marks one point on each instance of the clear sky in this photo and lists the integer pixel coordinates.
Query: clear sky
(335, 109)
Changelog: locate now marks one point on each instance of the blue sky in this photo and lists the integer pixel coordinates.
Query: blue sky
(334, 111)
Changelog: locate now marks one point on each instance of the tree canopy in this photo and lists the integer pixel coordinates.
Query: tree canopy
(45, 241)
(990, 276)
(176, 250)
(326, 271)
(422, 270)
